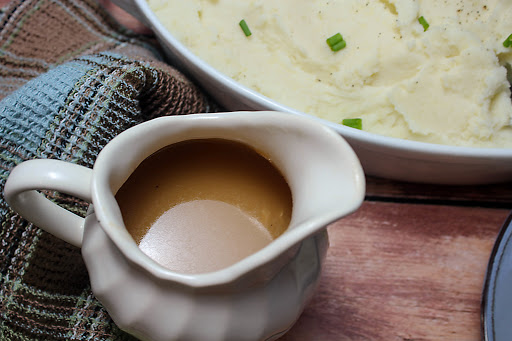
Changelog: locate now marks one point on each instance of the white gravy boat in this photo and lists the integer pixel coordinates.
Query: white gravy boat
(258, 298)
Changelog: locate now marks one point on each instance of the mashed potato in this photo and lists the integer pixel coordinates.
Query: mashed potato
(447, 84)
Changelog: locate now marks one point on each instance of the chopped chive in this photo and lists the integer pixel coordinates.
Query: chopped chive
(336, 42)
(356, 123)
(423, 23)
(245, 28)
(508, 41)
(335, 39)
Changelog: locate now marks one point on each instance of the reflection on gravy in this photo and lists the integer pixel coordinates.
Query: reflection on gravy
(202, 205)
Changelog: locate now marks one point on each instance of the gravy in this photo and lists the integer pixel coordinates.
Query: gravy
(202, 205)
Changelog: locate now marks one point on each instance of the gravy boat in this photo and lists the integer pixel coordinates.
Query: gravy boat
(258, 298)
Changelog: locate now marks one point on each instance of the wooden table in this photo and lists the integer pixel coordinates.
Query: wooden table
(408, 265)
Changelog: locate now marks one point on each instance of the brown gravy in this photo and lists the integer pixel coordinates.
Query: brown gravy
(202, 205)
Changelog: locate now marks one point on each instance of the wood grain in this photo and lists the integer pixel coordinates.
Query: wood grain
(403, 272)
(494, 195)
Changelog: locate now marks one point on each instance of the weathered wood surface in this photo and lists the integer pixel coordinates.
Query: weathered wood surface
(407, 271)
(495, 195)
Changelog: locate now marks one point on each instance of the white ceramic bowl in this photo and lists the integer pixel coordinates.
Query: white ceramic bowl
(381, 156)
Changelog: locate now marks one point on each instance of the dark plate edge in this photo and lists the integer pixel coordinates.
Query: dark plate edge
(487, 304)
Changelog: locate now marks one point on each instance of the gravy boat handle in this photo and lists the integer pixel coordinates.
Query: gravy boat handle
(21, 193)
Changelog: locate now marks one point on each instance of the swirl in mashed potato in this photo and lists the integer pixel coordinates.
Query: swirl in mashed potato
(445, 85)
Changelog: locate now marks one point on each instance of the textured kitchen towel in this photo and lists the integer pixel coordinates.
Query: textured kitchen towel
(70, 80)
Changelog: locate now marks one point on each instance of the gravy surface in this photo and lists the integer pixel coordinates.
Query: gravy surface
(202, 205)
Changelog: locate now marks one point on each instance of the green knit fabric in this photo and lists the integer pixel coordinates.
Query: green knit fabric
(70, 80)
